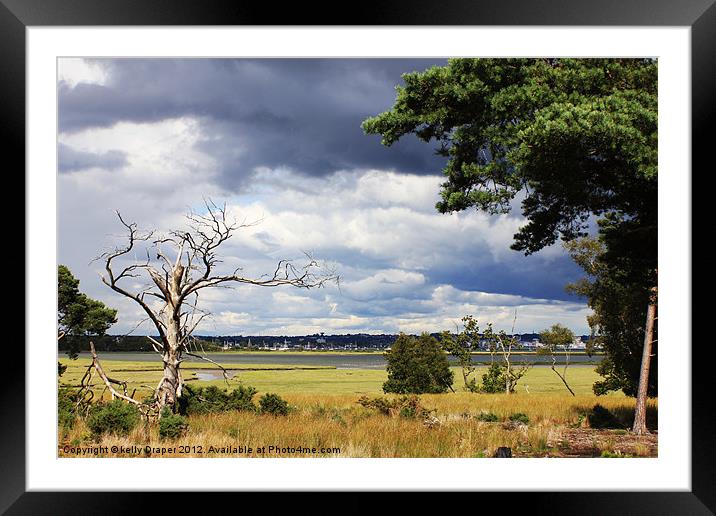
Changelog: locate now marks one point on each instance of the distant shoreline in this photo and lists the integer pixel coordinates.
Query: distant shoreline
(344, 352)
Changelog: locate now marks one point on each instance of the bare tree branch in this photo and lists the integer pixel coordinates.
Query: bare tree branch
(109, 381)
(207, 359)
(194, 268)
(128, 271)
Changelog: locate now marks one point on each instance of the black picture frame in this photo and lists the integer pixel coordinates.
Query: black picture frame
(700, 15)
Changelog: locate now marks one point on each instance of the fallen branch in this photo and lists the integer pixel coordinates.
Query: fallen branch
(109, 381)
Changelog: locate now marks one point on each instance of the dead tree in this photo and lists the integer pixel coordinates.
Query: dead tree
(170, 300)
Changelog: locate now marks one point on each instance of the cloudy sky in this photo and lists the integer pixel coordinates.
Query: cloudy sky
(280, 142)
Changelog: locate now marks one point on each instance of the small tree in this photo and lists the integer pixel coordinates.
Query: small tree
(502, 343)
(77, 314)
(502, 376)
(554, 338)
(417, 365)
(461, 346)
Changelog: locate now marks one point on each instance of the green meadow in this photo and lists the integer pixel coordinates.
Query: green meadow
(283, 379)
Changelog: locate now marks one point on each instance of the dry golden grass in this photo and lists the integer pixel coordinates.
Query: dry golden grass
(325, 421)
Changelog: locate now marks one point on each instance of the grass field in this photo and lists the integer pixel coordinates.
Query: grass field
(325, 415)
(281, 379)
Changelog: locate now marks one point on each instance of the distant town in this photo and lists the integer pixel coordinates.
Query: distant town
(355, 342)
(359, 342)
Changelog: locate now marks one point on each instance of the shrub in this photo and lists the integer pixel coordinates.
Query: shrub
(241, 399)
(273, 404)
(493, 381)
(117, 417)
(519, 417)
(172, 425)
(338, 418)
(66, 408)
(487, 417)
(410, 408)
(205, 400)
(416, 366)
(581, 421)
(381, 404)
(601, 417)
(406, 406)
(472, 386)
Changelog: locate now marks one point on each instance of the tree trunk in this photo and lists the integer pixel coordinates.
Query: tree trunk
(170, 387)
(639, 427)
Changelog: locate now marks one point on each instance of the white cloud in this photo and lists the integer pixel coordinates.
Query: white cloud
(378, 228)
(75, 70)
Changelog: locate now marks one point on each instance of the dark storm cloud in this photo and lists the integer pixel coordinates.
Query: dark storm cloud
(302, 114)
(526, 276)
(70, 160)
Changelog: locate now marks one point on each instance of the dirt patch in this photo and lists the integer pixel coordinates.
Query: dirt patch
(589, 442)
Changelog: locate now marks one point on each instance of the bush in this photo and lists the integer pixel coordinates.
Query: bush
(381, 404)
(172, 425)
(472, 386)
(273, 404)
(408, 407)
(241, 399)
(337, 418)
(206, 400)
(416, 366)
(66, 408)
(117, 417)
(487, 417)
(493, 381)
(519, 417)
(601, 417)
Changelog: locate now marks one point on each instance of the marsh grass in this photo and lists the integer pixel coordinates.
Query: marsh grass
(338, 421)
(326, 414)
(283, 379)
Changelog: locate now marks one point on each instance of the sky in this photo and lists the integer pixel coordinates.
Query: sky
(279, 141)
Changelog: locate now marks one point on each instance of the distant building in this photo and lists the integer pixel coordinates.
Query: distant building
(578, 344)
(530, 341)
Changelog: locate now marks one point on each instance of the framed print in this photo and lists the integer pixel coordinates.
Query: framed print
(254, 292)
